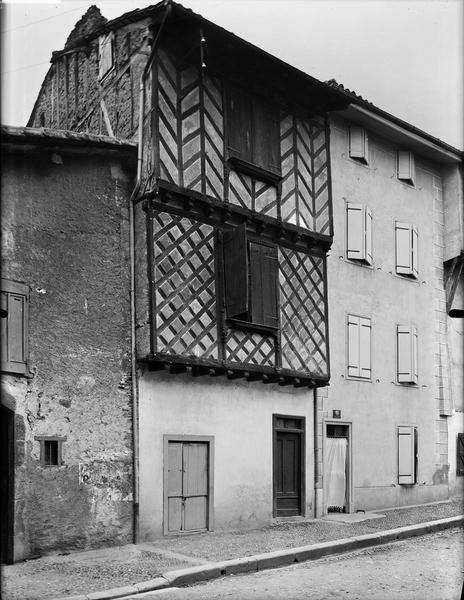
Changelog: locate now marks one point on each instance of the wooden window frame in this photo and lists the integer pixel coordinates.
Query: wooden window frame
(248, 160)
(410, 330)
(360, 318)
(51, 438)
(209, 439)
(405, 173)
(415, 451)
(359, 154)
(102, 41)
(411, 270)
(366, 252)
(14, 288)
(302, 431)
(244, 320)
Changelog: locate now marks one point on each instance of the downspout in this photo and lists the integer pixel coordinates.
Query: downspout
(317, 461)
(133, 197)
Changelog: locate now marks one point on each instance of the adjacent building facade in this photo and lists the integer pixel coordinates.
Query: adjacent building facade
(265, 206)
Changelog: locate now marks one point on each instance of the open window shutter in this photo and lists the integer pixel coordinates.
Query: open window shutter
(355, 232)
(105, 54)
(263, 274)
(406, 455)
(14, 333)
(353, 346)
(358, 143)
(239, 124)
(406, 354)
(235, 271)
(403, 249)
(406, 168)
(369, 247)
(414, 355)
(364, 348)
(460, 454)
(265, 140)
(415, 251)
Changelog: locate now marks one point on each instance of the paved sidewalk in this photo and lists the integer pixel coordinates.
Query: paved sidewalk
(182, 560)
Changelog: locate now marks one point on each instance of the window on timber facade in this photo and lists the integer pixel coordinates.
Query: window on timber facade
(105, 55)
(13, 324)
(250, 278)
(253, 134)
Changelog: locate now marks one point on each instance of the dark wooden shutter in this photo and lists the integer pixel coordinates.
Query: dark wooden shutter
(239, 124)
(265, 141)
(14, 327)
(460, 454)
(263, 275)
(235, 271)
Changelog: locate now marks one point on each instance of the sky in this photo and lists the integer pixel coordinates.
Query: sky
(405, 56)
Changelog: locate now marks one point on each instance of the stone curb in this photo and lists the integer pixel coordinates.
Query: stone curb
(270, 560)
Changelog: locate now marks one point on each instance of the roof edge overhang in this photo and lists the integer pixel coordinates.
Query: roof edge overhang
(409, 137)
(33, 139)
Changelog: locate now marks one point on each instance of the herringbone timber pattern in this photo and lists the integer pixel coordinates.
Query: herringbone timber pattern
(302, 312)
(320, 171)
(167, 119)
(185, 287)
(213, 119)
(304, 158)
(252, 194)
(250, 348)
(190, 118)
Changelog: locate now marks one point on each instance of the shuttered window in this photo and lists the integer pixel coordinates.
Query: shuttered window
(359, 347)
(253, 132)
(460, 454)
(250, 279)
(407, 247)
(359, 147)
(359, 233)
(406, 354)
(405, 165)
(407, 455)
(13, 324)
(105, 55)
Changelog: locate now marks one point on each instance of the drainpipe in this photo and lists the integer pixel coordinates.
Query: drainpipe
(317, 456)
(135, 192)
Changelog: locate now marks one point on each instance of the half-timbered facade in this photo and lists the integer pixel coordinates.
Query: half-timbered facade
(232, 221)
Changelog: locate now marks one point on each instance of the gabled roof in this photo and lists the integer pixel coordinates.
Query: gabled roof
(332, 95)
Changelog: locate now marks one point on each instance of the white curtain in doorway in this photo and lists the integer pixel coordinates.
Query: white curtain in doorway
(335, 472)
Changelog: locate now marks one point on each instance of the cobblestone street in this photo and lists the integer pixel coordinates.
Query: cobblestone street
(430, 567)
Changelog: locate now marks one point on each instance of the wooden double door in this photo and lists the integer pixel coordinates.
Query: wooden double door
(188, 484)
(289, 465)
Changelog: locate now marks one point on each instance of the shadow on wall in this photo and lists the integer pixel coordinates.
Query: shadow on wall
(441, 475)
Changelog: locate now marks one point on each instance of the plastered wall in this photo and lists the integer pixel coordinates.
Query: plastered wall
(239, 416)
(376, 407)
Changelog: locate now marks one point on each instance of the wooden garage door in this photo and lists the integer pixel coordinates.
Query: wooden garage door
(187, 486)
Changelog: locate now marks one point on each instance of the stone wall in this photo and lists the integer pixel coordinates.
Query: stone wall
(65, 235)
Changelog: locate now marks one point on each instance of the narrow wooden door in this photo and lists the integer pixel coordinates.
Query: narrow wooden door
(187, 486)
(288, 467)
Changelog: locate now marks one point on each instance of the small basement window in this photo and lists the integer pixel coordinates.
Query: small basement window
(51, 452)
